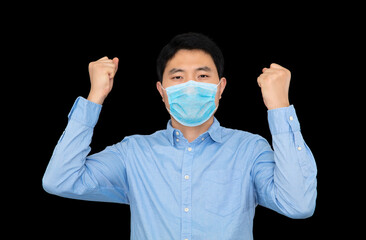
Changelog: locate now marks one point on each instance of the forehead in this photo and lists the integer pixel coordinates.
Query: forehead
(187, 59)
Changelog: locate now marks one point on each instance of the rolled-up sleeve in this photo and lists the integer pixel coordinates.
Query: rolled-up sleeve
(285, 177)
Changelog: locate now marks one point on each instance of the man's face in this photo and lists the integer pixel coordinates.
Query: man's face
(190, 65)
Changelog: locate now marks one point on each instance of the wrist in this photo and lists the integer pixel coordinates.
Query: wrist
(96, 98)
(278, 106)
(85, 112)
(275, 105)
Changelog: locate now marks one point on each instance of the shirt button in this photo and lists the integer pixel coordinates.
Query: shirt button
(177, 140)
(186, 209)
(186, 177)
(177, 133)
(291, 118)
(186, 239)
(189, 149)
(299, 148)
(202, 139)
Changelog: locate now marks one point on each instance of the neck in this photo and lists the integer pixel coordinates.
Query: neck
(191, 133)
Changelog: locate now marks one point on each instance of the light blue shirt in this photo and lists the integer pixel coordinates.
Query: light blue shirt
(204, 190)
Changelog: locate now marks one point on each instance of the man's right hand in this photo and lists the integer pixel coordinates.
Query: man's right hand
(101, 74)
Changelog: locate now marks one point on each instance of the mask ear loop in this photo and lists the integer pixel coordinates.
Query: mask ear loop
(163, 98)
(216, 90)
(161, 85)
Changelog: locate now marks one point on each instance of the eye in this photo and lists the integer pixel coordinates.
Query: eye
(203, 76)
(177, 77)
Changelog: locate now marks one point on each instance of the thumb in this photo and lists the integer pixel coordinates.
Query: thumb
(115, 61)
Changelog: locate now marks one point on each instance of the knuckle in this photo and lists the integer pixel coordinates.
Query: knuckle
(288, 71)
(282, 71)
(91, 66)
(267, 77)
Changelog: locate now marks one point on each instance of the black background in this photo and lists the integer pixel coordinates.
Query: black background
(51, 57)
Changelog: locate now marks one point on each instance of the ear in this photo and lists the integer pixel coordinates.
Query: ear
(159, 87)
(222, 85)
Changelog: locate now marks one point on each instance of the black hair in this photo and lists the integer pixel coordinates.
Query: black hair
(190, 41)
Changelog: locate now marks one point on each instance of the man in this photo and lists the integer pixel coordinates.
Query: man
(195, 179)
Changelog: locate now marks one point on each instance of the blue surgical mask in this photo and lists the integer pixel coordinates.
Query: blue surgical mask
(192, 103)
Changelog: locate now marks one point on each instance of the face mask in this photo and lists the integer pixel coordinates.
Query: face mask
(192, 103)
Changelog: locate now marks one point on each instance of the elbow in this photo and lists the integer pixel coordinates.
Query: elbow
(303, 210)
(68, 187)
(48, 185)
(302, 213)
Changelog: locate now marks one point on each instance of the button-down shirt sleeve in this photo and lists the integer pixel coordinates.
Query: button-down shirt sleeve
(71, 173)
(285, 179)
(176, 189)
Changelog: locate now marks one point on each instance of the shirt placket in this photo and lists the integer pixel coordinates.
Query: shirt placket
(186, 198)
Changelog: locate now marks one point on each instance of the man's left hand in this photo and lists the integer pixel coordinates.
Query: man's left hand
(274, 83)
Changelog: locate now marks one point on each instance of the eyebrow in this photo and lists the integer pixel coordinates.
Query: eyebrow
(205, 68)
(176, 70)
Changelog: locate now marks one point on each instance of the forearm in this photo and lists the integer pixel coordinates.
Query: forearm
(287, 183)
(68, 159)
(294, 176)
(295, 169)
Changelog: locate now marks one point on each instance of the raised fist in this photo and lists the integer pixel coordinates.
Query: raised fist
(101, 74)
(274, 83)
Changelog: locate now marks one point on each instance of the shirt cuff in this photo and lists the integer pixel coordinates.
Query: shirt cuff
(85, 112)
(282, 120)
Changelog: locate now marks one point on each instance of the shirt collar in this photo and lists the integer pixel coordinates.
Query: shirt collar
(214, 131)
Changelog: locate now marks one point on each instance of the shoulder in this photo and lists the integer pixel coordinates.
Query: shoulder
(247, 143)
(142, 140)
(243, 140)
(229, 134)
